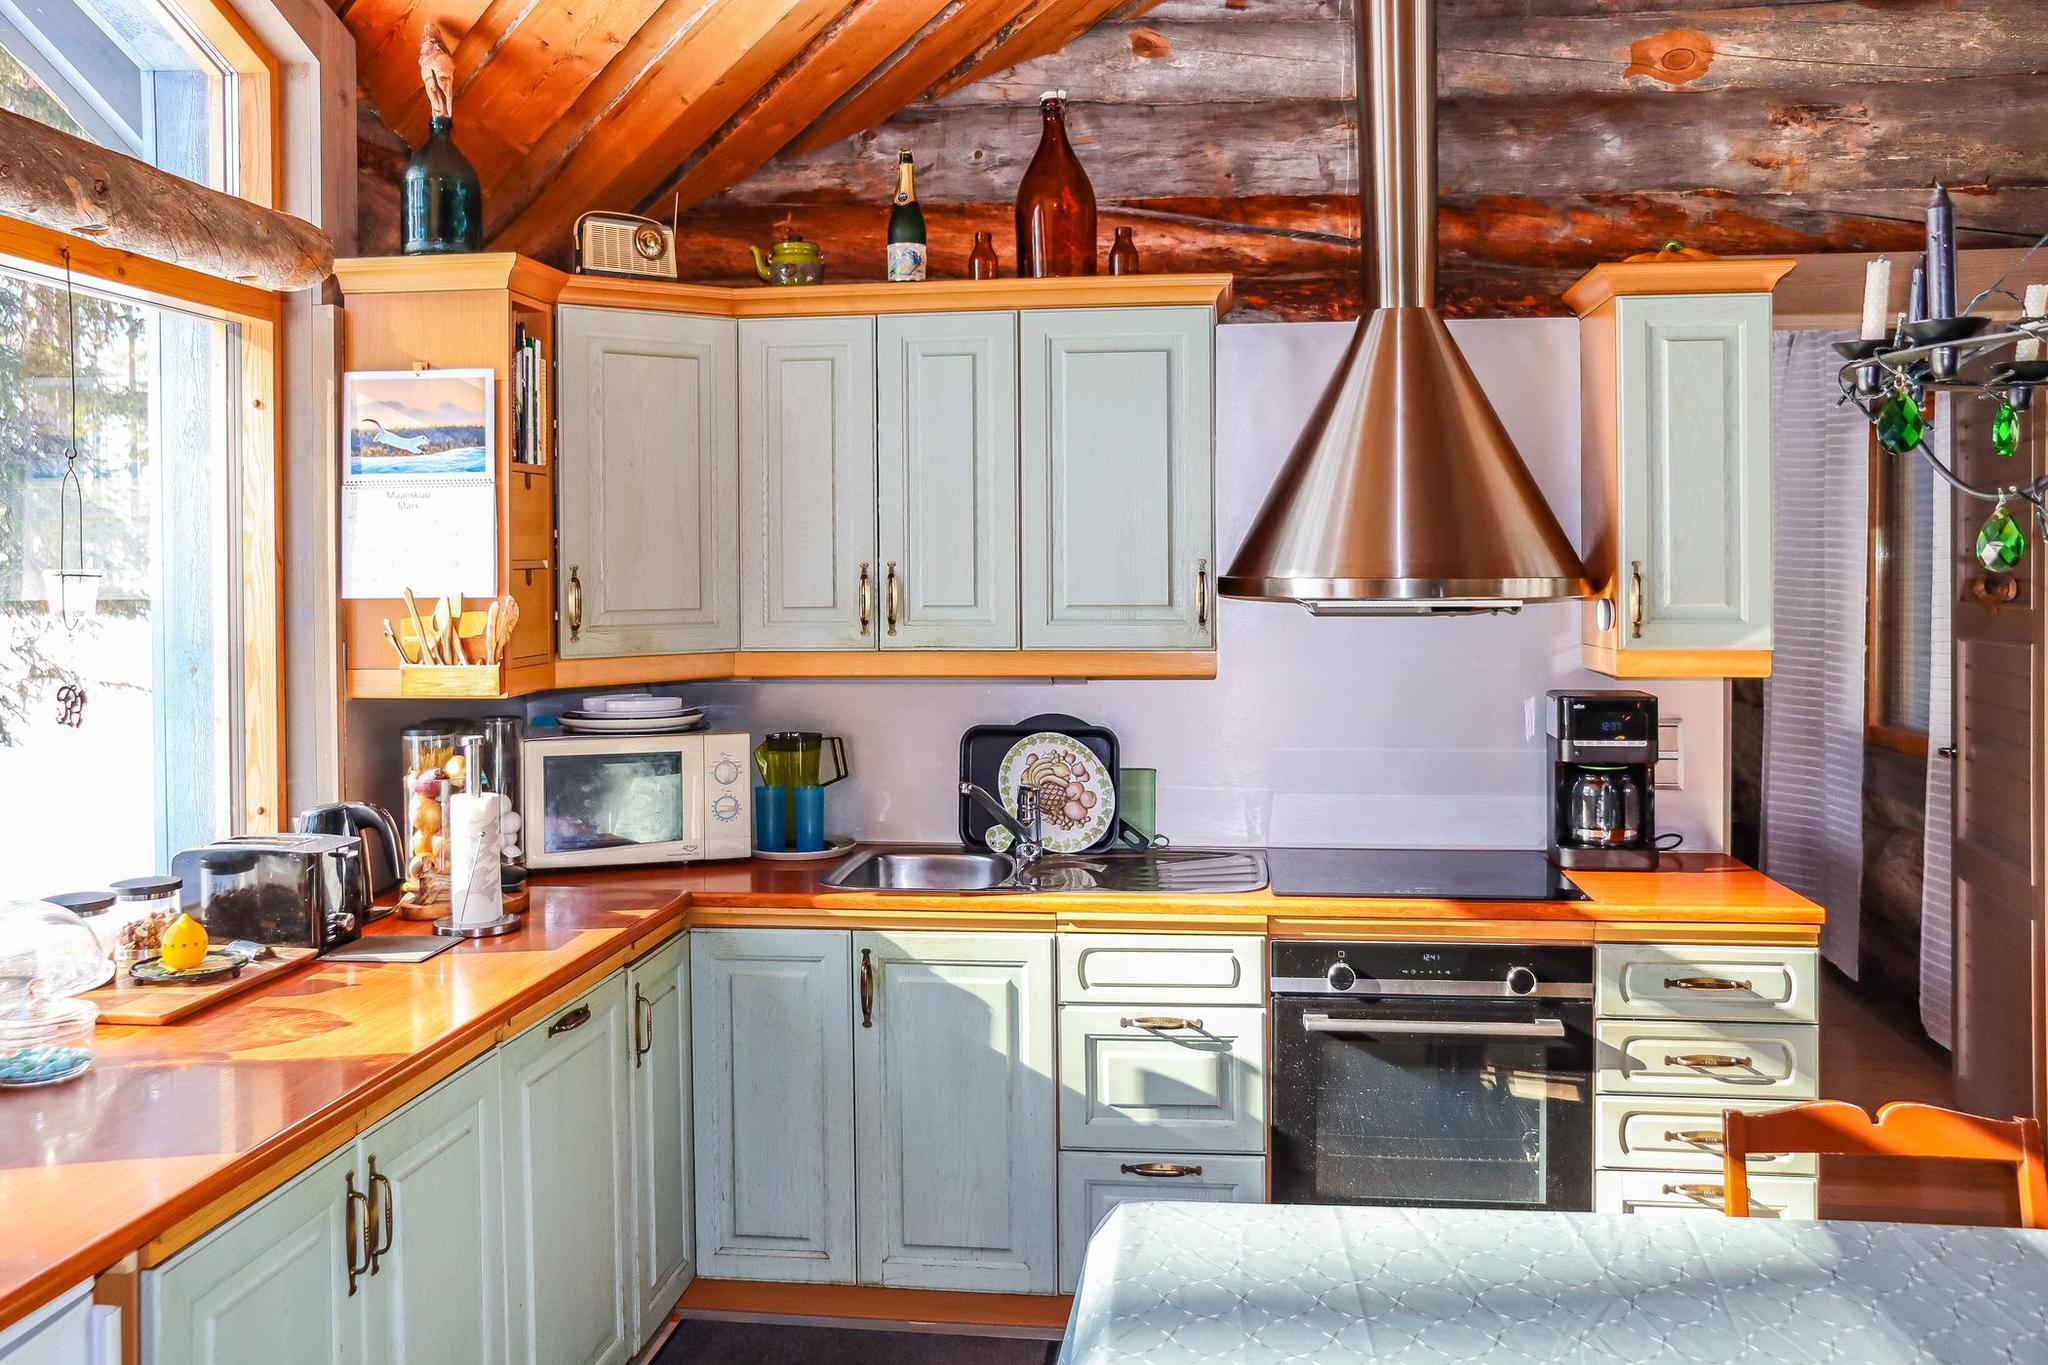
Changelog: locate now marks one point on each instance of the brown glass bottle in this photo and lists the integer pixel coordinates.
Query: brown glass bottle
(1123, 253)
(1055, 203)
(981, 262)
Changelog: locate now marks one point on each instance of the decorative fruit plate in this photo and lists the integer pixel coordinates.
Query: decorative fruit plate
(1076, 799)
(215, 966)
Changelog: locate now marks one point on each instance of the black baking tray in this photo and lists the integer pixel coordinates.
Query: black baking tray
(981, 758)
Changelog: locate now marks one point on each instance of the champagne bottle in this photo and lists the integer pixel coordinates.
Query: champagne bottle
(906, 225)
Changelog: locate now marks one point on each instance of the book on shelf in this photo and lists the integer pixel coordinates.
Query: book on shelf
(529, 398)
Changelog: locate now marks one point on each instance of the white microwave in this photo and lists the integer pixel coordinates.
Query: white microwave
(605, 801)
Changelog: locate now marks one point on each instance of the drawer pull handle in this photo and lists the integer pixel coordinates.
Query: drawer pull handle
(1705, 983)
(1707, 1061)
(574, 1019)
(383, 1207)
(573, 605)
(1635, 599)
(867, 988)
(358, 1231)
(1696, 1137)
(867, 597)
(1160, 1023)
(1159, 1170)
(1706, 1194)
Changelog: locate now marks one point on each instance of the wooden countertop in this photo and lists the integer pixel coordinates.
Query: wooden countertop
(176, 1128)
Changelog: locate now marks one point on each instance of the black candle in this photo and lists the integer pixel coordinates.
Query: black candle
(1941, 255)
(1916, 293)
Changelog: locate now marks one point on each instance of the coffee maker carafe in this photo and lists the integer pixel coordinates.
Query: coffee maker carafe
(1603, 763)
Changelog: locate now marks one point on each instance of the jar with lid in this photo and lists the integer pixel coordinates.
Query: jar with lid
(93, 907)
(143, 908)
(47, 956)
(433, 770)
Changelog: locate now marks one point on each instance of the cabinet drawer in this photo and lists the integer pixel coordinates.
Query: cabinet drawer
(1679, 1057)
(1671, 1134)
(1200, 1088)
(1093, 1183)
(1769, 985)
(1686, 1193)
(1135, 968)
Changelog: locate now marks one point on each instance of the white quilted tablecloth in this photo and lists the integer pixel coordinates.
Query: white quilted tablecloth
(1254, 1285)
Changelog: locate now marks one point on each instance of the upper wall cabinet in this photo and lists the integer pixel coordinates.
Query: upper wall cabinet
(1676, 466)
(649, 476)
(1118, 477)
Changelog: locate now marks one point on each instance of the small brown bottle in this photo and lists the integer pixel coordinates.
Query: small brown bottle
(1055, 203)
(981, 262)
(1123, 254)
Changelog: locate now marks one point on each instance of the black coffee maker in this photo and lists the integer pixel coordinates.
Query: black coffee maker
(1603, 763)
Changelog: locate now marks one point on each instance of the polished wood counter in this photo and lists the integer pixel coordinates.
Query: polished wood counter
(176, 1128)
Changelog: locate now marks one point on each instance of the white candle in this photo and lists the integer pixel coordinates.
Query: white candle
(2037, 306)
(1877, 295)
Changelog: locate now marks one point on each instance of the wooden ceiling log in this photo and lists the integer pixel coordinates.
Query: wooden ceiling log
(849, 51)
(387, 34)
(730, 54)
(1047, 28)
(58, 181)
(1181, 64)
(953, 39)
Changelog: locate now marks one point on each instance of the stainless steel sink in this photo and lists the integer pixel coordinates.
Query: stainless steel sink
(1159, 872)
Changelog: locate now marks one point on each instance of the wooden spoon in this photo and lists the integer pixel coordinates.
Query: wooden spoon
(444, 636)
(419, 628)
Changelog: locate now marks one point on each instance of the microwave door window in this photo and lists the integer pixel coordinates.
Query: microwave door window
(598, 801)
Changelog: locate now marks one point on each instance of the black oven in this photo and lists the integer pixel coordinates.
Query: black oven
(1452, 1075)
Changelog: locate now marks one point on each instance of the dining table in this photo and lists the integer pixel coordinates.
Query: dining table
(1167, 1283)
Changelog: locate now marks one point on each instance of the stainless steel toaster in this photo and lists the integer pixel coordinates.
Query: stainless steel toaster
(297, 890)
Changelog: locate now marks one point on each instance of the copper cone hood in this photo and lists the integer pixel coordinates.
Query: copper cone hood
(1404, 494)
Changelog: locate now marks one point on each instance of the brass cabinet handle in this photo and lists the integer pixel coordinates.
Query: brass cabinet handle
(1695, 1137)
(867, 598)
(1159, 1170)
(1711, 1193)
(572, 604)
(643, 1027)
(867, 989)
(1635, 598)
(1707, 1060)
(1705, 983)
(892, 598)
(1202, 594)
(574, 1019)
(383, 1205)
(1159, 1023)
(357, 1231)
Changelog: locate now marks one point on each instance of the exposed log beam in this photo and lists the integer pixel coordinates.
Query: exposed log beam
(1046, 28)
(1259, 61)
(58, 181)
(733, 52)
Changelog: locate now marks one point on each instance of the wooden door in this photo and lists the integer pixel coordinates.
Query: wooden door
(664, 1213)
(808, 562)
(1694, 471)
(567, 1182)
(269, 1288)
(1118, 466)
(649, 473)
(946, 452)
(2000, 1033)
(955, 1098)
(438, 1293)
(771, 1027)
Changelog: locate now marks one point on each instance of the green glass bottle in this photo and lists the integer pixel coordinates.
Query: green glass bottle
(906, 225)
(444, 200)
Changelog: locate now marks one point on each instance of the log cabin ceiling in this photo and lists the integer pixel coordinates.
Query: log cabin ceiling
(1224, 132)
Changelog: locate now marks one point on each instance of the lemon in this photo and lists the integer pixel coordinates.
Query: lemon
(184, 944)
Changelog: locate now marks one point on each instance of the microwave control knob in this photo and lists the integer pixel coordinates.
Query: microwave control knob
(1341, 977)
(725, 772)
(1521, 981)
(726, 807)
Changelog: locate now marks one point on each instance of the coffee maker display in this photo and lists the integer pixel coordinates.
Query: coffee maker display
(1603, 762)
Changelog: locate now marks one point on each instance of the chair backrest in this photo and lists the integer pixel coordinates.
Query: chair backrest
(1833, 1128)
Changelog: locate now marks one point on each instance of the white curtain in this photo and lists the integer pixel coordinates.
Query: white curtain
(1813, 700)
(1936, 913)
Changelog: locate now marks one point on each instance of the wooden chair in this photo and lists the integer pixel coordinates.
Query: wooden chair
(1832, 1128)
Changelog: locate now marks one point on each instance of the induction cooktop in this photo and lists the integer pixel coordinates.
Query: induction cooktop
(1451, 874)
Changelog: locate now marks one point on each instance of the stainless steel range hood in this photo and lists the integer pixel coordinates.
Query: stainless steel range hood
(1404, 494)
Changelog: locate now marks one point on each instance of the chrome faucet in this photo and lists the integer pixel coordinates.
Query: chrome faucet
(1030, 845)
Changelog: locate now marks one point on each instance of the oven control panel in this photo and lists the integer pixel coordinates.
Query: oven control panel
(1309, 968)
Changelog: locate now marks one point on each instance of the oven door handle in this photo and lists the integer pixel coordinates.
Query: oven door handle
(1461, 1028)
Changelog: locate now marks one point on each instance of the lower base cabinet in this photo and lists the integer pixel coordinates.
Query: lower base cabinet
(1094, 1183)
(1675, 1192)
(664, 1218)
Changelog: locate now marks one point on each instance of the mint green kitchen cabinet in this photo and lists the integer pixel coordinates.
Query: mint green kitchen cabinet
(648, 479)
(946, 450)
(1118, 457)
(808, 572)
(955, 1101)
(772, 1034)
(664, 1212)
(568, 1183)
(270, 1287)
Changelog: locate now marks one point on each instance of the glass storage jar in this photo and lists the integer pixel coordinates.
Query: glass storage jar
(433, 769)
(148, 904)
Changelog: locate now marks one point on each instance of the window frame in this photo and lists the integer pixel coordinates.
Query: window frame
(1878, 732)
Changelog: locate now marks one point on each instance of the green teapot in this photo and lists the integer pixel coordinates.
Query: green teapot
(791, 260)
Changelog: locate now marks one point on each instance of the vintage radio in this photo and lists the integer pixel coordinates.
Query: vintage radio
(625, 244)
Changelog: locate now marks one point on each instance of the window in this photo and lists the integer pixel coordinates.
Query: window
(1901, 606)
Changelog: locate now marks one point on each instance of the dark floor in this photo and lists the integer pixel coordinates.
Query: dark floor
(736, 1343)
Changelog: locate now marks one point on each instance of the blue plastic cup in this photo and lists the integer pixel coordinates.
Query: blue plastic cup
(771, 809)
(808, 833)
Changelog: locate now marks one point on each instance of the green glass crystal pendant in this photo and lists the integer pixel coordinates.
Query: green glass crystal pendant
(2005, 431)
(1900, 423)
(1999, 543)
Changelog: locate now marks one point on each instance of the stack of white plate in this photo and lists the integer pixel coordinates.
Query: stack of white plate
(632, 713)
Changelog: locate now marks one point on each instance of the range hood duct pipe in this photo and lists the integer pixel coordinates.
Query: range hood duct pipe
(1404, 494)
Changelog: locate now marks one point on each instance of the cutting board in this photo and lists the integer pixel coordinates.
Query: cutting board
(124, 1002)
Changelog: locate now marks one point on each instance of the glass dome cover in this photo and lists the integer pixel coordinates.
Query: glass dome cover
(47, 953)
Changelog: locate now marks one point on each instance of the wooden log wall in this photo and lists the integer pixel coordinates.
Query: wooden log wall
(1573, 131)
